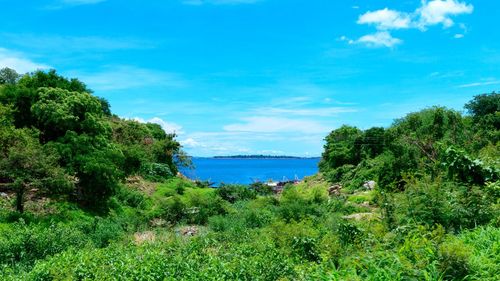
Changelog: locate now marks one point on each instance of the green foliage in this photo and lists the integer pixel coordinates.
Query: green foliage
(8, 76)
(233, 193)
(156, 172)
(341, 148)
(468, 170)
(57, 111)
(27, 166)
(454, 260)
(96, 149)
(418, 224)
(484, 105)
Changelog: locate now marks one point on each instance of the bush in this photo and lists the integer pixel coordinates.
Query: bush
(454, 260)
(24, 244)
(233, 193)
(156, 172)
(306, 247)
(131, 197)
(348, 233)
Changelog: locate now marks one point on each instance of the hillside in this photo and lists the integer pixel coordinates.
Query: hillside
(86, 195)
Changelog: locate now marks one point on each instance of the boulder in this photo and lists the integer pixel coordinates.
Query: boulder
(369, 185)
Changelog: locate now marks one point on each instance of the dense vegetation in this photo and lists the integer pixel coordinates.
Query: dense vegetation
(89, 196)
(59, 139)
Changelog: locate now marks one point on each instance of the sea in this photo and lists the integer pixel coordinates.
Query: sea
(249, 170)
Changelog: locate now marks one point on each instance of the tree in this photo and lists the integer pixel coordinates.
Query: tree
(57, 111)
(372, 142)
(341, 148)
(483, 105)
(26, 92)
(8, 76)
(485, 111)
(29, 167)
(51, 79)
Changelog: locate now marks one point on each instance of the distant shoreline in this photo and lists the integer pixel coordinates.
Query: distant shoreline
(259, 157)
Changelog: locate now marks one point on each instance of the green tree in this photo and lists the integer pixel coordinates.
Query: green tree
(341, 148)
(29, 167)
(8, 76)
(483, 105)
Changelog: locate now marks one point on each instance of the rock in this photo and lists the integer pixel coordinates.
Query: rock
(189, 231)
(370, 185)
(4, 195)
(334, 190)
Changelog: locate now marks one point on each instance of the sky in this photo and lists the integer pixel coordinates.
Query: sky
(261, 76)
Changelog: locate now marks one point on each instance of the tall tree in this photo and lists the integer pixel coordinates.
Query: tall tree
(8, 76)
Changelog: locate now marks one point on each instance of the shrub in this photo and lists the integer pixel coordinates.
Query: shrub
(306, 247)
(233, 193)
(348, 233)
(156, 172)
(454, 260)
(131, 197)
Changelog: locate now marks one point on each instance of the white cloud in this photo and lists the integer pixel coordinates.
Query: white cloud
(219, 2)
(378, 39)
(386, 19)
(72, 44)
(168, 127)
(265, 124)
(321, 111)
(478, 84)
(124, 77)
(18, 61)
(440, 12)
(430, 13)
(191, 143)
(458, 36)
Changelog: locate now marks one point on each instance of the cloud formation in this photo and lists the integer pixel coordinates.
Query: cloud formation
(386, 19)
(122, 77)
(168, 127)
(18, 61)
(440, 12)
(430, 13)
(378, 39)
(266, 124)
(71, 44)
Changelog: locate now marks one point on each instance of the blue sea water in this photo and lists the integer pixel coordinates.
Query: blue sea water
(249, 170)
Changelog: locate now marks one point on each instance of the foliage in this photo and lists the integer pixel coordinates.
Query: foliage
(468, 170)
(432, 216)
(156, 171)
(8, 76)
(233, 193)
(85, 141)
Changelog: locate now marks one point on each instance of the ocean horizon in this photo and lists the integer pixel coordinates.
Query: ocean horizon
(240, 170)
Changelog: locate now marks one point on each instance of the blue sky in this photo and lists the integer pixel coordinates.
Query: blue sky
(261, 76)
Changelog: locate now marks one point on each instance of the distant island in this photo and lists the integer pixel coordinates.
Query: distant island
(264, 157)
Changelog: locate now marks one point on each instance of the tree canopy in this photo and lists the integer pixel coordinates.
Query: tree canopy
(53, 113)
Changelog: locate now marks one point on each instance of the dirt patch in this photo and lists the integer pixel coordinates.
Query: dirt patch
(144, 237)
(142, 185)
(361, 216)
